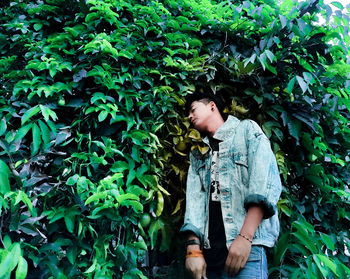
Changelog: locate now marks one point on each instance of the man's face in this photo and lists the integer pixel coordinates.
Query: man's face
(199, 114)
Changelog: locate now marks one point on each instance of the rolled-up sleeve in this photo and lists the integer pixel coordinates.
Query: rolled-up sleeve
(264, 186)
(195, 203)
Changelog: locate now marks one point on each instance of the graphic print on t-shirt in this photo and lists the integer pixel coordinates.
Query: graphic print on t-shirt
(214, 174)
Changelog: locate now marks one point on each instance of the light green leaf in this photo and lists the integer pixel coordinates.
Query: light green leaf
(24, 198)
(22, 132)
(47, 113)
(160, 204)
(92, 267)
(153, 231)
(102, 116)
(338, 5)
(15, 254)
(135, 205)
(5, 265)
(96, 197)
(127, 196)
(29, 113)
(322, 262)
(4, 178)
(22, 269)
(7, 242)
(328, 241)
(37, 26)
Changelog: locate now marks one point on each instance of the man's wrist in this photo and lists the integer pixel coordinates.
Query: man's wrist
(246, 237)
(193, 241)
(193, 244)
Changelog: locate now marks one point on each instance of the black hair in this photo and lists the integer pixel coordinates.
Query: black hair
(207, 97)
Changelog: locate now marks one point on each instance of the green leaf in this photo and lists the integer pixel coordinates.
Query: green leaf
(102, 116)
(135, 205)
(294, 127)
(290, 85)
(92, 267)
(7, 242)
(45, 132)
(22, 269)
(22, 132)
(324, 262)
(72, 254)
(328, 241)
(338, 5)
(119, 166)
(153, 231)
(4, 178)
(283, 21)
(127, 196)
(5, 265)
(270, 55)
(36, 139)
(37, 26)
(160, 204)
(69, 220)
(3, 126)
(72, 180)
(15, 253)
(29, 113)
(302, 83)
(47, 113)
(139, 136)
(24, 198)
(96, 197)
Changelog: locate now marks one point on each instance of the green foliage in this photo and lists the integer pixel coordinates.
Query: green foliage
(93, 142)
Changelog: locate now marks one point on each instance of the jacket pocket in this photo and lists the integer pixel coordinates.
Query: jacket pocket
(241, 165)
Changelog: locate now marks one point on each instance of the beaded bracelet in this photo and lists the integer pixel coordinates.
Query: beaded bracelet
(246, 237)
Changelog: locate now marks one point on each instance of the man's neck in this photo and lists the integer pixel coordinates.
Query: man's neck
(214, 125)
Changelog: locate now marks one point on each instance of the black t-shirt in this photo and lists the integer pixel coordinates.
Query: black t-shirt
(215, 257)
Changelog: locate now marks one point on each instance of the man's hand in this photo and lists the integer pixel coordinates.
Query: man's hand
(197, 267)
(237, 255)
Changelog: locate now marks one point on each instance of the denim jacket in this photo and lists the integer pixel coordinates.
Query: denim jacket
(248, 175)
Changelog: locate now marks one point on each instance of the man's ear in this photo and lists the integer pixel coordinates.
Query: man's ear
(212, 105)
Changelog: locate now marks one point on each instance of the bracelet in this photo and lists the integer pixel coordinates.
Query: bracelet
(192, 242)
(246, 237)
(194, 253)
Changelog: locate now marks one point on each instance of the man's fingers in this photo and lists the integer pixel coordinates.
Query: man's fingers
(205, 274)
(229, 265)
(196, 266)
(233, 266)
(237, 266)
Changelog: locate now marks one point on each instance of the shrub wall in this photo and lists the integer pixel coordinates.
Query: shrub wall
(94, 141)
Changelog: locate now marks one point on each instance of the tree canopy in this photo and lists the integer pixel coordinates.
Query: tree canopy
(94, 139)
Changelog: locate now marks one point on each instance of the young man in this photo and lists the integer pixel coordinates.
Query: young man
(231, 197)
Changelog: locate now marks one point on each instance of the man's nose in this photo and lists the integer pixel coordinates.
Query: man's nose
(190, 116)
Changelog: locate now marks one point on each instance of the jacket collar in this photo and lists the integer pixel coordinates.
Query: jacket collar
(226, 130)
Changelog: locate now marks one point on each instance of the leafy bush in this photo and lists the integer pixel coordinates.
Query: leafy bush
(94, 142)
